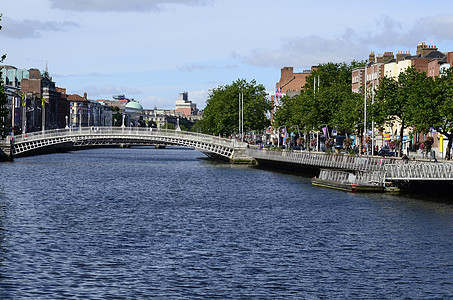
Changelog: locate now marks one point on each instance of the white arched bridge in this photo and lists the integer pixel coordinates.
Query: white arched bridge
(72, 139)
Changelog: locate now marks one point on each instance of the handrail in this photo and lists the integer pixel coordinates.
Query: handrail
(128, 131)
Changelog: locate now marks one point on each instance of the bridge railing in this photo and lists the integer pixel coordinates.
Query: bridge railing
(128, 132)
(325, 160)
(422, 171)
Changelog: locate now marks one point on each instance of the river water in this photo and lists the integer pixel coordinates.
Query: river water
(145, 223)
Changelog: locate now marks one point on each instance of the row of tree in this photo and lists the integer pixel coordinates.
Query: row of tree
(326, 100)
(412, 100)
(418, 101)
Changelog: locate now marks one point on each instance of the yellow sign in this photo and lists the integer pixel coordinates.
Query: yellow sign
(43, 103)
(24, 99)
(441, 143)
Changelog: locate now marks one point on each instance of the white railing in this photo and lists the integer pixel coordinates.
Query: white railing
(128, 132)
(421, 171)
(322, 159)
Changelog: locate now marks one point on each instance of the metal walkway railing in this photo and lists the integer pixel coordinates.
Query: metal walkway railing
(128, 135)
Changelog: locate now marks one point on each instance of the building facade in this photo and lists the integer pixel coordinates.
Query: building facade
(34, 102)
(427, 59)
(87, 113)
(184, 106)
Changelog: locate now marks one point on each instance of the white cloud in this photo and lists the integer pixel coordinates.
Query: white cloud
(201, 67)
(312, 50)
(437, 28)
(119, 5)
(24, 29)
(107, 91)
(306, 52)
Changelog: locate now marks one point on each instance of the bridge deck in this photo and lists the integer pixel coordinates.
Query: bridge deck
(117, 135)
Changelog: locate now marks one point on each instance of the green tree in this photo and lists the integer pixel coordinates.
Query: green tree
(221, 115)
(169, 126)
(330, 102)
(407, 101)
(117, 116)
(152, 124)
(442, 115)
(3, 99)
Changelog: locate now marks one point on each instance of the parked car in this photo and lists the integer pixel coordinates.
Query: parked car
(386, 152)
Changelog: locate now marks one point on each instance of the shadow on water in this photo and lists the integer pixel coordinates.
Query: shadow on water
(422, 190)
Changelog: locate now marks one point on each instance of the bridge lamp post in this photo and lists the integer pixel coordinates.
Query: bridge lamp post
(66, 117)
(43, 116)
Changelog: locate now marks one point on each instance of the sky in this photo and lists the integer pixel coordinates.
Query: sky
(152, 50)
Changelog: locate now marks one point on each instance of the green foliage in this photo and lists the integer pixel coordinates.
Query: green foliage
(117, 116)
(196, 126)
(152, 124)
(221, 115)
(409, 100)
(333, 103)
(169, 126)
(443, 114)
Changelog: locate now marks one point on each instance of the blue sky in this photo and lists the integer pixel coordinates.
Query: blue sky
(151, 50)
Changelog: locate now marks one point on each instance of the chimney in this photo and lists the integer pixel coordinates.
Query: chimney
(371, 58)
(420, 46)
(401, 55)
(450, 58)
(380, 59)
(287, 73)
(427, 50)
(388, 56)
(85, 96)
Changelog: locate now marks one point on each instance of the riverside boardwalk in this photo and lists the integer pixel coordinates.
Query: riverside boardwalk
(359, 173)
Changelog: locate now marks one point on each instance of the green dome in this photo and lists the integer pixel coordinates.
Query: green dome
(134, 105)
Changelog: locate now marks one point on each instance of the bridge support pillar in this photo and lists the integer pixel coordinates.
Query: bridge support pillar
(6, 150)
(240, 156)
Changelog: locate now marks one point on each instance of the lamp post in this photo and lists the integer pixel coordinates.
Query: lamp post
(80, 117)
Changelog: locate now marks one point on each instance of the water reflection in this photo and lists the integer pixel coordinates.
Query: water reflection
(142, 223)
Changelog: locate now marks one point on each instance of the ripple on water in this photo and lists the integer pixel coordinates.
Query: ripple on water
(140, 223)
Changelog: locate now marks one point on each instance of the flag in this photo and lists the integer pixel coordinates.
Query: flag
(24, 100)
(284, 135)
(324, 130)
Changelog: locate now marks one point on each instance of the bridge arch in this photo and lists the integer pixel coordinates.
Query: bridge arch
(41, 142)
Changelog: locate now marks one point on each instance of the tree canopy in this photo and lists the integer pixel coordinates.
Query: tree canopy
(408, 100)
(221, 115)
(326, 100)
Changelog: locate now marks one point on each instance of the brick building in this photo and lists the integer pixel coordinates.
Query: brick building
(86, 113)
(36, 85)
(427, 59)
(292, 83)
(185, 107)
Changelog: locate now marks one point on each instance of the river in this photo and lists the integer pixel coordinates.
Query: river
(145, 223)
